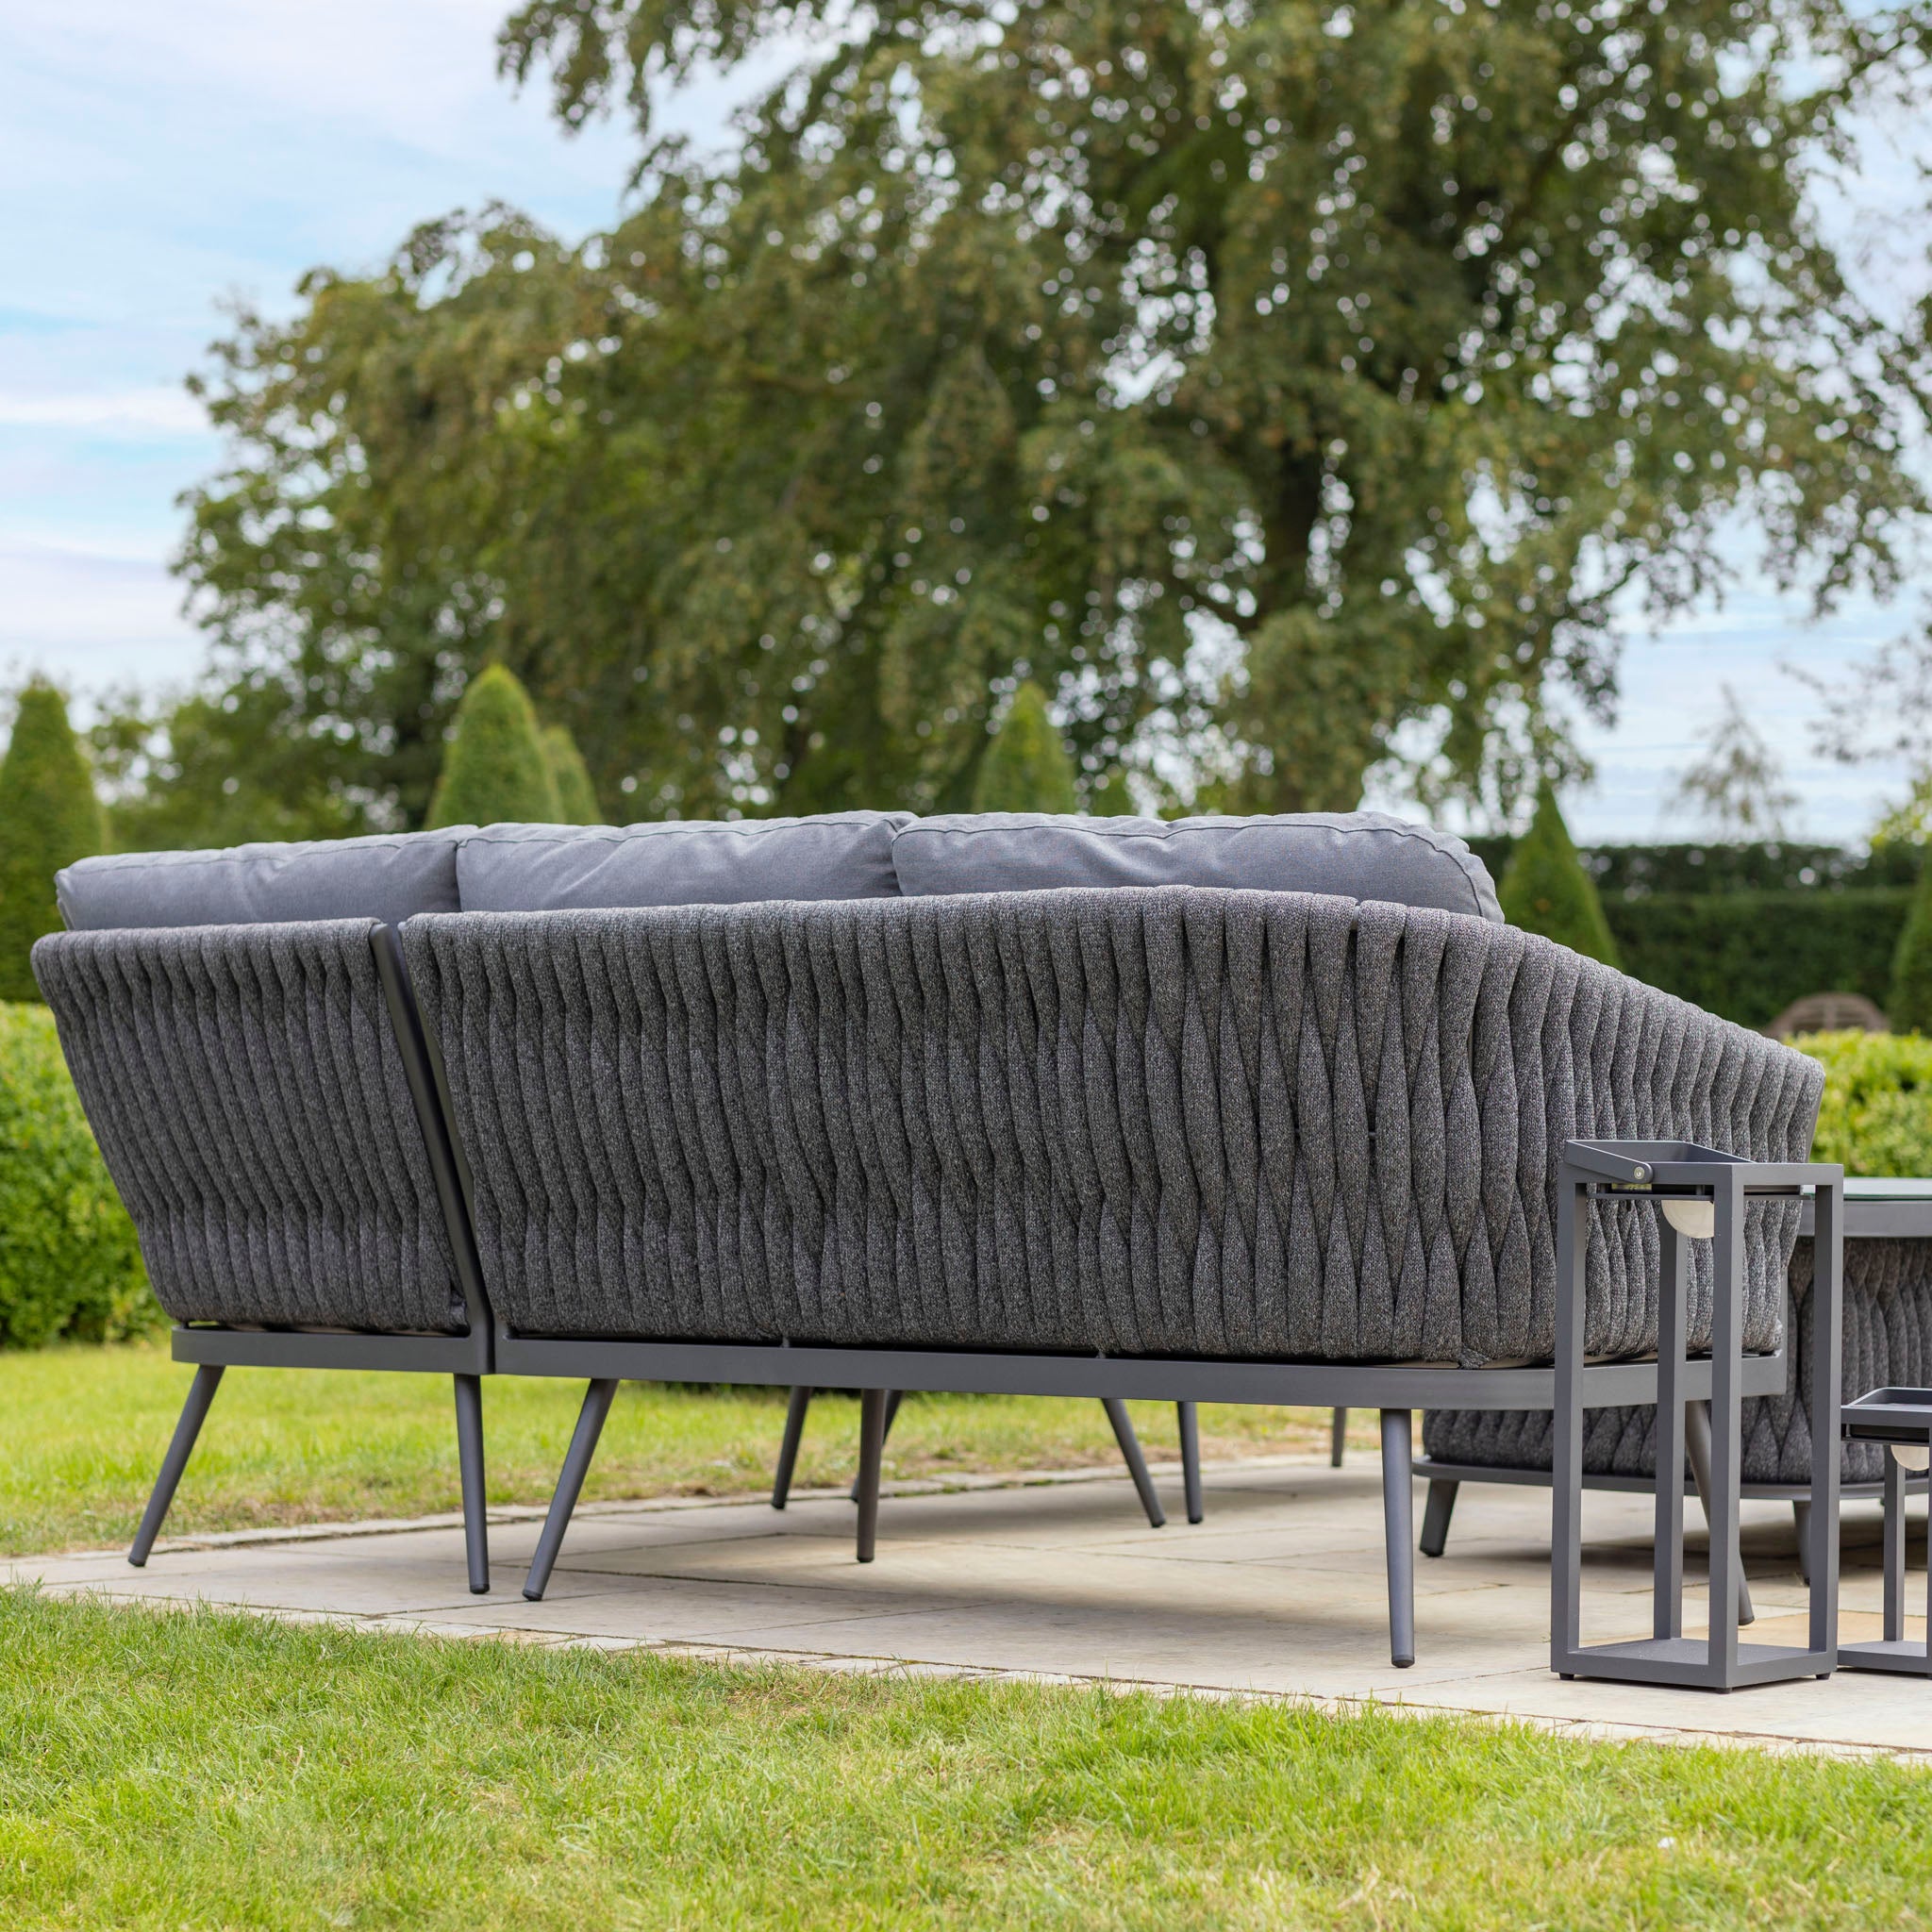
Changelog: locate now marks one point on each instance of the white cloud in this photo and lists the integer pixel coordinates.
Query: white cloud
(156, 410)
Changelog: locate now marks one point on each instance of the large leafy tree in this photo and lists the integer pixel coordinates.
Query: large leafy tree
(1289, 385)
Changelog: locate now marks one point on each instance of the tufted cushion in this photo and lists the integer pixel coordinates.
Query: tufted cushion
(1362, 855)
(389, 876)
(845, 854)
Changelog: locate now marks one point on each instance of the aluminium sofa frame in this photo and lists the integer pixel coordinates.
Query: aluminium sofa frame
(490, 1346)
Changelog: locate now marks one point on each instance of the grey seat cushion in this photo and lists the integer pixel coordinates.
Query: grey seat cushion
(389, 876)
(1361, 855)
(845, 854)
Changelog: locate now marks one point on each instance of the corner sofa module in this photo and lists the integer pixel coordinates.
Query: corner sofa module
(241, 1036)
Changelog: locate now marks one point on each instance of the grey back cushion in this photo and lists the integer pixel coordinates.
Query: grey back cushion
(1357, 855)
(845, 854)
(389, 876)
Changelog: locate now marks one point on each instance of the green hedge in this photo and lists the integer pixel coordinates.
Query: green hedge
(1747, 956)
(1744, 930)
(1876, 1114)
(1634, 872)
(69, 1261)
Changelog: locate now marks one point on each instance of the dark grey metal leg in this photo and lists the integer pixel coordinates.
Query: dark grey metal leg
(1667, 1528)
(1398, 1518)
(787, 1448)
(1894, 1549)
(892, 1401)
(1697, 1447)
(207, 1378)
(1191, 1458)
(475, 1498)
(1435, 1514)
(570, 1483)
(1337, 1436)
(1800, 1515)
(1137, 1463)
(872, 1445)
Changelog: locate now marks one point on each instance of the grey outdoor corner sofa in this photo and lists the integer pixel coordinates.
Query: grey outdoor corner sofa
(1262, 1110)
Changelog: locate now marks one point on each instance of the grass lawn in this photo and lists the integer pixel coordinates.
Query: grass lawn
(197, 1769)
(82, 1431)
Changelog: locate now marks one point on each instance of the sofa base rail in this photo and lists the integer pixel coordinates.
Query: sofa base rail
(1134, 1378)
(1395, 1390)
(298, 1348)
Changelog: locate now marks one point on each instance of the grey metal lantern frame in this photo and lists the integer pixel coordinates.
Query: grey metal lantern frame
(1892, 1416)
(1874, 1209)
(1662, 1177)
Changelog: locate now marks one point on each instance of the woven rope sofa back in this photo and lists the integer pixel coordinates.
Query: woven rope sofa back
(1145, 1121)
(246, 1089)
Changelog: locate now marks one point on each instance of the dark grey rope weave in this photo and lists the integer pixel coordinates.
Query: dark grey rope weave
(1887, 1340)
(1144, 1121)
(246, 1087)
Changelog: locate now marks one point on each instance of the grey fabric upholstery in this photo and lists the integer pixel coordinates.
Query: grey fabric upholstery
(1177, 1120)
(1887, 1339)
(1362, 855)
(246, 1090)
(845, 854)
(389, 877)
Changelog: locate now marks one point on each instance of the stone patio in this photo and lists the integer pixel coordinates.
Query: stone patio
(1281, 1593)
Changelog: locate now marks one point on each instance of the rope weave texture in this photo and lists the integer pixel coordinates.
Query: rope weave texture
(246, 1087)
(1145, 1121)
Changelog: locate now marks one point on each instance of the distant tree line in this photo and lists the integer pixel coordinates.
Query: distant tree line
(1282, 391)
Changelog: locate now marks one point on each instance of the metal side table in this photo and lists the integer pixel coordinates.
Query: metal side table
(1876, 1209)
(1697, 1193)
(1901, 1418)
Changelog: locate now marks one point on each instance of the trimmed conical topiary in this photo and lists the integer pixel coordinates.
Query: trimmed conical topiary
(49, 816)
(577, 797)
(1025, 767)
(494, 768)
(1546, 889)
(1909, 1009)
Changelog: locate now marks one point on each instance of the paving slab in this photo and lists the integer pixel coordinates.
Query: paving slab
(1056, 1577)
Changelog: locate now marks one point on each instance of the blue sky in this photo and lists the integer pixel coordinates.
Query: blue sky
(163, 160)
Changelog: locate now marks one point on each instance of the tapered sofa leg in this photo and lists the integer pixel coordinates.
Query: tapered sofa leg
(1137, 1463)
(207, 1378)
(576, 1466)
(1337, 1436)
(788, 1449)
(1697, 1450)
(1398, 1520)
(476, 1497)
(1436, 1511)
(872, 1447)
(893, 1398)
(1191, 1458)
